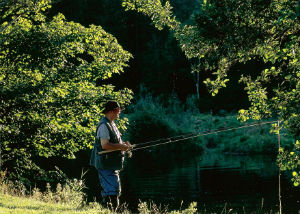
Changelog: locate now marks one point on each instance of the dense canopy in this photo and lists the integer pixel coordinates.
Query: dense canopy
(50, 102)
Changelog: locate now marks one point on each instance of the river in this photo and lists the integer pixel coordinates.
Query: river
(243, 183)
(214, 181)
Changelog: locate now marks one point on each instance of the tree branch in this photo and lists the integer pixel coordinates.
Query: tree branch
(9, 24)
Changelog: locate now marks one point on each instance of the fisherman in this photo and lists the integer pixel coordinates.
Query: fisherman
(108, 165)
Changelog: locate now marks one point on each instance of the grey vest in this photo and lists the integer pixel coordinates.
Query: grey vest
(112, 160)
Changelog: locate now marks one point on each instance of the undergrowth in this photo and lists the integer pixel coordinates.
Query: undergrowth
(71, 192)
(65, 198)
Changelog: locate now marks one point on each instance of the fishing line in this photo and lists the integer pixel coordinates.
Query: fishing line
(150, 142)
(164, 139)
(201, 134)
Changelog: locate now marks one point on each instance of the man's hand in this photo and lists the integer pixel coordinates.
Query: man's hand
(126, 146)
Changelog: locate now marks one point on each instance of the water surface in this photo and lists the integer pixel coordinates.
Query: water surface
(214, 181)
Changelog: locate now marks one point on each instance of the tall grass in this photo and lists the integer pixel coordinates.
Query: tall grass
(67, 198)
(64, 199)
(71, 192)
(25, 205)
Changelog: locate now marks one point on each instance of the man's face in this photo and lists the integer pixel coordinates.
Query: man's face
(116, 113)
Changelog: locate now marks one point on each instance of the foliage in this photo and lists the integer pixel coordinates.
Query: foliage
(291, 161)
(153, 118)
(8, 187)
(156, 53)
(229, 32)
(161, 15)
(263, 30)
(50, 102)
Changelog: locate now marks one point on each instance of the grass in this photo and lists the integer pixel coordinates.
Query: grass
(68, 200)
(28, 205)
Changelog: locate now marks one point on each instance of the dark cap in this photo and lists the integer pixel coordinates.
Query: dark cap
(110, 106)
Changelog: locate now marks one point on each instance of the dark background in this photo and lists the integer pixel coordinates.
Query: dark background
(158, 63)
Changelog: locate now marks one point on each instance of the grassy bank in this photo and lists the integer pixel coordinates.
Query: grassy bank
(69, 199)
(66, 198)
(24, 205)
(28, 205)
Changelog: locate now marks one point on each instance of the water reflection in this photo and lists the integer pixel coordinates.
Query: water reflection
(241, 182)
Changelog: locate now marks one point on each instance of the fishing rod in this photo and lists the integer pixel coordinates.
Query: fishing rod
(202, 134)
(184, 137)
(150, 142)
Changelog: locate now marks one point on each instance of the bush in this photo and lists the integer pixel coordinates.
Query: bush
(69, 193)
(157, 118)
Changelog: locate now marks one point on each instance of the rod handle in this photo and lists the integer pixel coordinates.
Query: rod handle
(109, 151)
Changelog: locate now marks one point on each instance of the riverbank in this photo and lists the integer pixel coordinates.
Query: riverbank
(153, 118)
(26, 205)
(219, 184)
(68, 198)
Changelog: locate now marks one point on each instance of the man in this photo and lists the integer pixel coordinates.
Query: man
(109, 164)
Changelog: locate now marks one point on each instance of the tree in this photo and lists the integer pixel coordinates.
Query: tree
(230, 32)
(50, 102)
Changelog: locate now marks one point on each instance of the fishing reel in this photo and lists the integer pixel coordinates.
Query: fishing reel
(129, 153)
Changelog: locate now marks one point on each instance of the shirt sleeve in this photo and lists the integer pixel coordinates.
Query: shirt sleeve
(103, 132)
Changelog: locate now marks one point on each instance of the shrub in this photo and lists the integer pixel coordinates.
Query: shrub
(10, 187)
(153, 118)
(70, 193)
